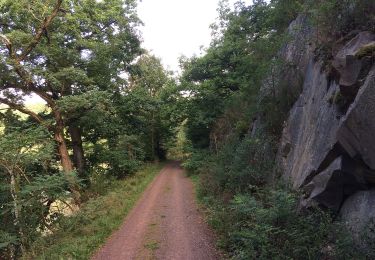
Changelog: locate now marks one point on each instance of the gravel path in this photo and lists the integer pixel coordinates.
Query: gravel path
(164, 224)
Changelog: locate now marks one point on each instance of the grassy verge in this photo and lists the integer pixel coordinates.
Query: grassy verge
(80, 235)
(208, 213)
(195, 179)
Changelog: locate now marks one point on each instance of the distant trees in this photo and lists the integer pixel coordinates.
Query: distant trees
(150, 90)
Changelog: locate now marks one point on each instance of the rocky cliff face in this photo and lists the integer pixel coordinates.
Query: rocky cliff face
(327, 147)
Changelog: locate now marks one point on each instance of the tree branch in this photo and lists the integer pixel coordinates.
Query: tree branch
(7, 43)
(47, 21)
(22, 109)
(18, 67)
(30, 85)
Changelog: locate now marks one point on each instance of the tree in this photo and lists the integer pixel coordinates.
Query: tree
(61, 49)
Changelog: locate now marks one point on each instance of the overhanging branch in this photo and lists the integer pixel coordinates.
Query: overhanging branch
(29, 84)
(22, 109)
(7, 43)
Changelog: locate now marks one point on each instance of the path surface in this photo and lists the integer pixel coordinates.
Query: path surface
(165, 224)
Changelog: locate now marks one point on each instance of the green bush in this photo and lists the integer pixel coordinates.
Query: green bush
(119, 157)
(240, 165)
(267, 225)
(196, 161)
(257, 220)
(272, 229)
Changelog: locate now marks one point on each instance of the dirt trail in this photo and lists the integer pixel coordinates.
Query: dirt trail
(165, 224)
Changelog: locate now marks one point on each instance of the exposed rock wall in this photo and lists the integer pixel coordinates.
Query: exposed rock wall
(295, 56)
(327, 147)
(310, 132)
(358, 212)
(357, 129)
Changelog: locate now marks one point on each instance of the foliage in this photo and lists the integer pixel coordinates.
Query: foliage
(231, 72)
(179, 147)
(244, 163)
(336, 18)
(259, 219)
(66, 52)
(147, 106)
(337, 22)
(27, 187)
(196, 161)
(265, 224)
(119, 158)
(81, 234)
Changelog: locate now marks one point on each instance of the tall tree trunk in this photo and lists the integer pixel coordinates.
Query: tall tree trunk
(66, 162)
(153, 150)
(14, 187)
(153, 157)
(78, 152)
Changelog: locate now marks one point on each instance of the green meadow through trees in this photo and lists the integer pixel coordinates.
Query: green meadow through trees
(109, 107)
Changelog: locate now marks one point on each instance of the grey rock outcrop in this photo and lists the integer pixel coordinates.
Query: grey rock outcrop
(346, 62)
(357, 130)
(358, 213)
(328, 142)
(295, 56)
(311, 129)
(298, 51)
(338, 181)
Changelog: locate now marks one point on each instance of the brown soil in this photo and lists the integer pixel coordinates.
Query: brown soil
(165, 224)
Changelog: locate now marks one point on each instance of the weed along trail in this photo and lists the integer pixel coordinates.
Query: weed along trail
(164, 224)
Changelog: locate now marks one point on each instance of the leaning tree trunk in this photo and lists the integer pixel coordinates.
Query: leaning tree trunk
(78, 152)
(14, 187)
(66, 162)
